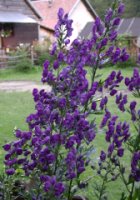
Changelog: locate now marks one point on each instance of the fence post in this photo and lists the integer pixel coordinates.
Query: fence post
(32, 55)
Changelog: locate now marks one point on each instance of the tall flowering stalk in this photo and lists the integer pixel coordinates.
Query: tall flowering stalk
(57, 148)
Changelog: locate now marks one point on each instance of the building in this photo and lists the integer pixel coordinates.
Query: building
(80, 11)
(128, 32)
(86, 32)
(129, 29)
(19, 23)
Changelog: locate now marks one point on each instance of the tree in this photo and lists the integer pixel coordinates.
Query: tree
(132, 7)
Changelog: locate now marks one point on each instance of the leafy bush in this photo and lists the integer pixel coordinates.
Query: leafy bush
(22, 62)
(41, 50)
(25, 65)
(42, 57)
(129, 63)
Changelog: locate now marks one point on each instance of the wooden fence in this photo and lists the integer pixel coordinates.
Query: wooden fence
(11, 60)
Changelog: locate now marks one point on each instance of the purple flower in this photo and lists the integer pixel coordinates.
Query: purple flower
(113, 35)
(118, 98)
(113, 92)
(116, 21)
(7, 147)
(19, 151)
(62, 103)
(135, 171)
(102, 156)
(121, 8)
(94, 105)
(67, 42)
(104, 42)
(50, 158)
(108, 15)
(10, 171)
(105, 119)
(59, 189)
(47, 186)
(120, 152)
(60, 13)
(133, 105)
(127, 81)
(71, 141)
(103, 102)
(46, 64)
(110, 149)
(56, 64)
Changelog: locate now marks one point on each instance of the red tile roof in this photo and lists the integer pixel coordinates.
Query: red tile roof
(49, 13)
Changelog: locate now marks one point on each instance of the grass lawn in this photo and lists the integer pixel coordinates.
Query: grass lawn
(15, 107)
(35, 75)
(13, 75)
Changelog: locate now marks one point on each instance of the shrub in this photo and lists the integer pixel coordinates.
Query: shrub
(42, 57)
(22, 62)
(41, 50)
(129, 63)
(25, 65)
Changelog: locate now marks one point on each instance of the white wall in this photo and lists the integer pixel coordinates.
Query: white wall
(80, 15)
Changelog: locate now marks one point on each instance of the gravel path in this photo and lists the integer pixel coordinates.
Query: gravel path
(24, 86)
(21, 86)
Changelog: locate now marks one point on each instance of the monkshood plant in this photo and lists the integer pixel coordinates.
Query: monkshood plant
(119, 137)
(50, 158)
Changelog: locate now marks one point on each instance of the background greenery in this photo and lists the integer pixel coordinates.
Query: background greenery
(132, 7)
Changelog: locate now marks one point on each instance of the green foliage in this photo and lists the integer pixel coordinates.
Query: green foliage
(25, 65)
(132, 7)
(21, 62)
(42, 57)
(41, 50)
(130, 63)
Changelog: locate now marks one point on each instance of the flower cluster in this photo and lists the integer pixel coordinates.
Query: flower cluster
(63, 29)
(135, 167)
(113, 81)
(54, 152)
(52, 186)
(121, 101)
(133, 83)
(116, 134)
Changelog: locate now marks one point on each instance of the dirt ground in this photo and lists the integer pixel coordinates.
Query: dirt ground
(21, 86)
(24, 86)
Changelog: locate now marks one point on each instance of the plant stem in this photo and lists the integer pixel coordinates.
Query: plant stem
(102, 188)
(38, 190)
(124, 180)
(103, 185)
(56, 163)
(69, 192)
(131, 192)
